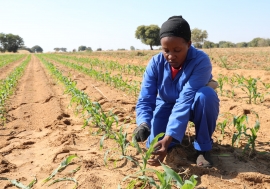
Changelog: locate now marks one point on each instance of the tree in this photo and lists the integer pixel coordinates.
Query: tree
(56, 49)
(63, 49)
(263, 43)
(99, 49)
(37, 49)
(89, 49)
(209, 44)
(254, 42)
(198, 36)
(10, 42)
(132, 48)
(148, 35)
(226, 44)
(241, 44)
(82, 48)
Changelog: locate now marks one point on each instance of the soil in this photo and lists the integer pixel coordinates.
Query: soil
(43, 129)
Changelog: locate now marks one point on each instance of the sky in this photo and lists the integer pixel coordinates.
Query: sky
(111, 24)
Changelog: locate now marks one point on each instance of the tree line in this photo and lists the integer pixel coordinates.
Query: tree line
(13, 43)
(256, 42)
(149, 35)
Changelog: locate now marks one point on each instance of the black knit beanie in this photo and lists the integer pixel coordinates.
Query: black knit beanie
(175, 26)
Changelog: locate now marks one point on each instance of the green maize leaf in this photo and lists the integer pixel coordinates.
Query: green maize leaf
(188, 186)
(191, 183)
(131, 159)
(19, 184)
(68, 160)
(105, 157)
(149, 170)
(150, 180)
(257, 126)
(62, 165)
(102, 141)
(65, 179)
(32, 183)
(173, 174)
(152, 144)
(76, 170)
(131, 184)
(161, 177)
(136, 145)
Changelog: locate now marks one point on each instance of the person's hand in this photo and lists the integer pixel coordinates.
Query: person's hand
(161, 151)
(213, 84)
(142, 132)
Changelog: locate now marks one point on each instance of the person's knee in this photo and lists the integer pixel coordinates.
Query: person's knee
(207, 94)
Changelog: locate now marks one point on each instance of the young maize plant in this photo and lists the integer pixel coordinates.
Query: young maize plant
(167, 179)
(60, 168)
(242, 130)
(19, 184)
(249, 86)
(222, 126)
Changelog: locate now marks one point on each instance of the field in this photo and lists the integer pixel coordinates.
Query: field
(59, 105)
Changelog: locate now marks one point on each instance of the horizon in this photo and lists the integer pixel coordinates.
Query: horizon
(112, 25)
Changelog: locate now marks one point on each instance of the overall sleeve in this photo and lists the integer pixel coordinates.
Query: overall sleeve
(199, 77)
(147, 99)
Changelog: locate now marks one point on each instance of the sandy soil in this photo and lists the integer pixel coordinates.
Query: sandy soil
(42, 129)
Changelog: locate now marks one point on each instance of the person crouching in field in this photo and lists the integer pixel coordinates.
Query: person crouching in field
(177, 87)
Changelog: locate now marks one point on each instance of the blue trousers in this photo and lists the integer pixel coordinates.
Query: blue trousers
(203, 113)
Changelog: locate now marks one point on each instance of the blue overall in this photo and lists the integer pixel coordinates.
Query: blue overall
(167, 104)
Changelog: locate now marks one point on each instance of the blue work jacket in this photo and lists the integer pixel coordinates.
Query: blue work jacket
(165, 102)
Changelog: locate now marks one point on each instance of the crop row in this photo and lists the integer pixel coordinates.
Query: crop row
(112, 80)
(8, 85)
(107, 65)
(248, 85)
(6, 59)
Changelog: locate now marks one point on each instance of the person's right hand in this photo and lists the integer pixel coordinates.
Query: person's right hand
(213, 84)
(142, 132)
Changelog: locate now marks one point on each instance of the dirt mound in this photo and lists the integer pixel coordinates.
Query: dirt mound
(5, 165)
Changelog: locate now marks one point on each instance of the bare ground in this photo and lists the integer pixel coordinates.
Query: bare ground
(42, 130)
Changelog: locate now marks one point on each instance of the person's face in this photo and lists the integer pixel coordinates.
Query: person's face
(175, 50)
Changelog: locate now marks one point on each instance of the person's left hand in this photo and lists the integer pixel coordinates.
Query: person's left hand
(161, 152)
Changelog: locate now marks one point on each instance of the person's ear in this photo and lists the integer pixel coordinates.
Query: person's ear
(189, 44)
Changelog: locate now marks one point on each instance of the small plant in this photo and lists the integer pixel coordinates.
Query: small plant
(19, 184)
(242, 129)
(121, 139)
(249, 86)
(145, 157)
(60, 168)
(222, 126)
(167, 179)
(220, 81)
(224, 62)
